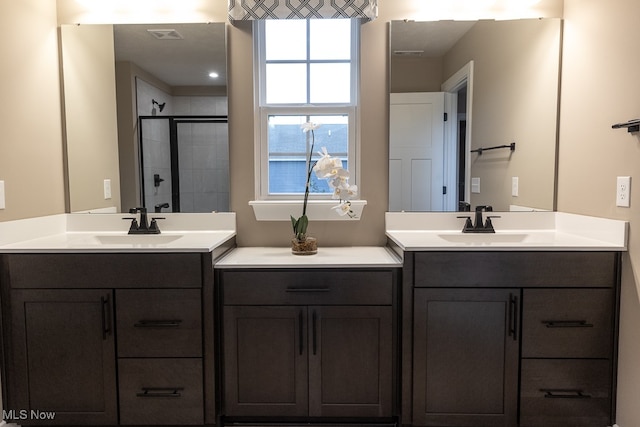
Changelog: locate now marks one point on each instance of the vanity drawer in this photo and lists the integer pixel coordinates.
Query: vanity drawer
(307, 287)
(515, 269)
(160, 391)
(567, 323)
(565, 392)
(105, 270)
(159, 322)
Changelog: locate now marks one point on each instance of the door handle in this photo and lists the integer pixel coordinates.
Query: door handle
(513, 316)
(106, 319)
(315, 338)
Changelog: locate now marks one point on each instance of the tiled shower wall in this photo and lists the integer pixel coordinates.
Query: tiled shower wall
(203, 151)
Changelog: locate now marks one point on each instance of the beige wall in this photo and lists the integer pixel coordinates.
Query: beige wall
(90, 115)
(600, 87)
(30, 118)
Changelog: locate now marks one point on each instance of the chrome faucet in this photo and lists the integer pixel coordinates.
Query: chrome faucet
(143, 227)
(480, 226)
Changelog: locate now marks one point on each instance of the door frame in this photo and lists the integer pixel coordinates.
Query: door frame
(462, 77)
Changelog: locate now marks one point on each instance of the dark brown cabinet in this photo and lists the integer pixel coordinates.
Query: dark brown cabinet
(286, 358)
(62, 357)
(466, 354)
(495, 338)
(108, 338)
(568, 357)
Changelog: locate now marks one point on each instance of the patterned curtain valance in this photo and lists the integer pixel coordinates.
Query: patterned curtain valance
(243, 10)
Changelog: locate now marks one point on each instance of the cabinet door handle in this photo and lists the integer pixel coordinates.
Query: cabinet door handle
(303, 289)
(315, 338)
(513, 316)
(564, 393)
(567, 324)
(300, 332)
(160, 392)
(157, 324)
(106, 321)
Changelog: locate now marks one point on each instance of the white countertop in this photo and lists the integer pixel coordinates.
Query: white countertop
(327, 257)
(107, 233)
(515, 231)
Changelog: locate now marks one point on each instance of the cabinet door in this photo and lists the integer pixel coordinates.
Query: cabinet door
(350, 361)
(63, 359)
(465, 357)
(265, 361)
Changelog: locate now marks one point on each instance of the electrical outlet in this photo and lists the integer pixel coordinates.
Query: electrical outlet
(2, 205)
(514, 186)
(107, 189)
(623, 191)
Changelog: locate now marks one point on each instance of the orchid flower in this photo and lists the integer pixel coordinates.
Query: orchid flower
(343, 209)
(327, 166)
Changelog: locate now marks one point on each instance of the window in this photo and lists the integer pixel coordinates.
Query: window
(306, 71)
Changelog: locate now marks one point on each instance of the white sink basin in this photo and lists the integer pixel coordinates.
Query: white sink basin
(138, 239)
(484, 238)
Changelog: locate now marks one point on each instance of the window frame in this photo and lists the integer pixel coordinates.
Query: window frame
(264, 110)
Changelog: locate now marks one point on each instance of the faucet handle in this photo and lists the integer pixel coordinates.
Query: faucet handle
(468, 224)
(153, 227)
(134, 224)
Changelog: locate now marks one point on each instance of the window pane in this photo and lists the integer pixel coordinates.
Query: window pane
(330, 39)
(288, 150)
(286, 39)
(330, 83)
(286, 83)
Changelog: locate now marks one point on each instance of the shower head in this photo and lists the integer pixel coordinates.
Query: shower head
(160, 106)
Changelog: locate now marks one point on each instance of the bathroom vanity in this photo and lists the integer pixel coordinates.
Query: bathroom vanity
(309, 338)
(516, 328)
(101, 327)
(440, 328)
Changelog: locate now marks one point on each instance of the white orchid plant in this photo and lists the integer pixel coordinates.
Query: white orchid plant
(329, 168)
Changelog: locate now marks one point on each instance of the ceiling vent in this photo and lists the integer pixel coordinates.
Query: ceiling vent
(169, 34)
(408, 52)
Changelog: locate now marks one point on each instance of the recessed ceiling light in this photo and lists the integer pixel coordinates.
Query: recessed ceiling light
(213, 75)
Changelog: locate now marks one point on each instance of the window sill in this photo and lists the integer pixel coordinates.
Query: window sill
(317, 210)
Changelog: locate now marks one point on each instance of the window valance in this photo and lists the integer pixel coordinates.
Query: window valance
(243, 10)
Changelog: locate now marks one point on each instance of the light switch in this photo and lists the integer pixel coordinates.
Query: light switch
(107, 189)
(514, 186)
(2, 206)
(475, 185)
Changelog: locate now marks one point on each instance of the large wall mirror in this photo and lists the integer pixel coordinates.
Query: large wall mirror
(146, 117)
(497, 83)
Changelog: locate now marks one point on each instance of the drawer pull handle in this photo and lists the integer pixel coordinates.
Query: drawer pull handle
(561, 393)
(158, 324)
(308, 289)
(160, 392)
(567, 324)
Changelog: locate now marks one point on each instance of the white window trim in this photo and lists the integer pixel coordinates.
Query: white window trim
(319, 207)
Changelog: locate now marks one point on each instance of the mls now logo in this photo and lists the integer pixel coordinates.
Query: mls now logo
(24, 414)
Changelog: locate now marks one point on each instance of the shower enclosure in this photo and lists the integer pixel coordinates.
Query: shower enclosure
(184, 163)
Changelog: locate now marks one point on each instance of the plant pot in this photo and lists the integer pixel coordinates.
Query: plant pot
(308, 246)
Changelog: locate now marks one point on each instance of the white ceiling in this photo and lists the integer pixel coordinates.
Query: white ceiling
(185, 62)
